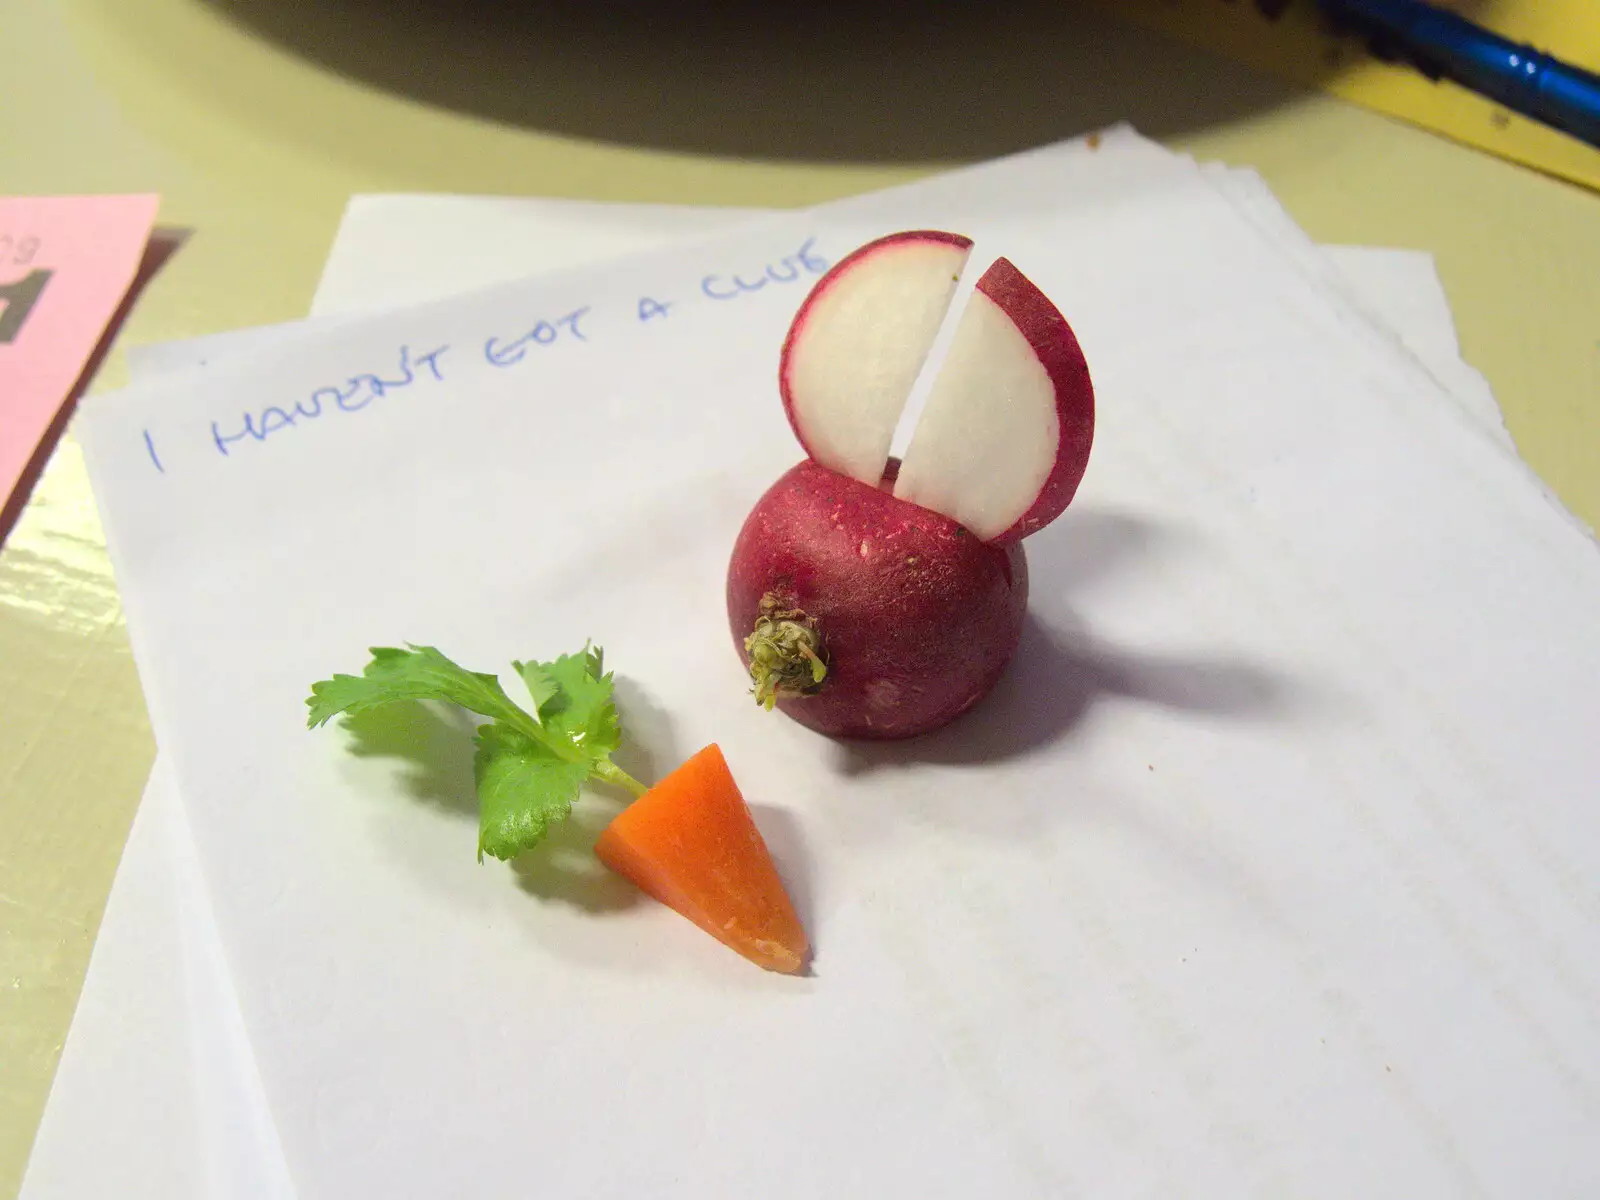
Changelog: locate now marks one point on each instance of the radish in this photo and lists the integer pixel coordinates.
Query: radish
(877, 599)
(865, 616)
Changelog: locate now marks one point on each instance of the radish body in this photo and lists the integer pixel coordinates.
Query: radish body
(912, 616)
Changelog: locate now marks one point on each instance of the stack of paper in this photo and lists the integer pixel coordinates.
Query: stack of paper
(1267, 871)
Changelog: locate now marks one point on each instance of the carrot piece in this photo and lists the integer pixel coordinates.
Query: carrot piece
(690, 843)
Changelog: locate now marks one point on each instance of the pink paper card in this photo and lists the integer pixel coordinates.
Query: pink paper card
(66, 265)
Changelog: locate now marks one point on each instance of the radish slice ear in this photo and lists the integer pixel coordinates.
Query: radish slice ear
(1003, 438)
(859, 341)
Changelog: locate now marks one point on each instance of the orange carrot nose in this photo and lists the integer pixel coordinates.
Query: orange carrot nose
(690, 843)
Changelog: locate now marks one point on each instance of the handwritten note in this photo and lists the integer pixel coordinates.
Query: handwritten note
(66, 264)
(498, 345)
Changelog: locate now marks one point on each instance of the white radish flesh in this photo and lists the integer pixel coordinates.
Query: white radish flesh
(859, 342)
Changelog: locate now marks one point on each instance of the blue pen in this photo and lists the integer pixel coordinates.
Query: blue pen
(1443, 45)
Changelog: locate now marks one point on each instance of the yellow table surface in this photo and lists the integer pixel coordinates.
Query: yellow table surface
(257, 118)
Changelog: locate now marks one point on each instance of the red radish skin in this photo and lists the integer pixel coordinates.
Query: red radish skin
(1057, 346)
(916, 618)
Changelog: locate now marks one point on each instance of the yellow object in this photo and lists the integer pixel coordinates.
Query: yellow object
(256, 131)
(1298, 47)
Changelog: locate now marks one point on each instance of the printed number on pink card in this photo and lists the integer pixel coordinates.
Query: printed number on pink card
(19, 296)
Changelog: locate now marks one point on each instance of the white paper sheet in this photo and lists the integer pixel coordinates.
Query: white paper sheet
(1401, 293)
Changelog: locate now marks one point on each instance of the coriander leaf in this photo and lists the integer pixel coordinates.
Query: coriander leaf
(523, 789)
(528, 769)
(582, 711)
(541, 688)
(415, 673)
